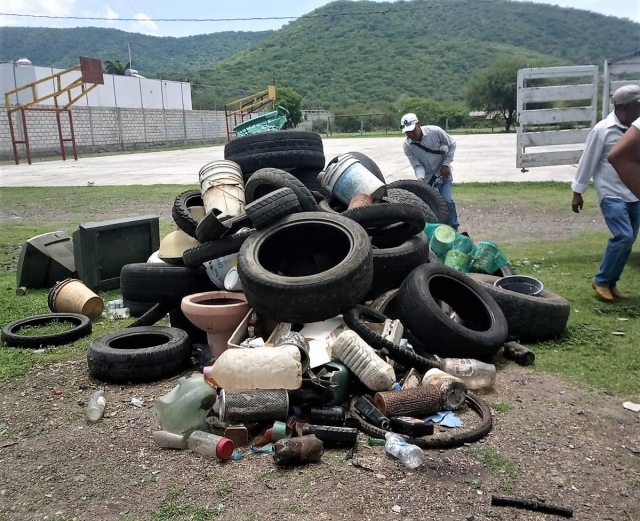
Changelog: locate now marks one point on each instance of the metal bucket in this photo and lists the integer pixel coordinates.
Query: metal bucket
(520, 284)
(347, 177)
(222, 187)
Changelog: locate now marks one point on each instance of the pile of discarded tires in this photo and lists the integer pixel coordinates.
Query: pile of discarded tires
(304, 257)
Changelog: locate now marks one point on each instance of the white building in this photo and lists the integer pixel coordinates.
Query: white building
(118, 91)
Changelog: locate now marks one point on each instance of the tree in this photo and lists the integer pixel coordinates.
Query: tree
(494, 89)
(115, 67)
(292, 101)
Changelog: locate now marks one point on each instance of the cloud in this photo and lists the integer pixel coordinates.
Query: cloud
(40, 7)
(145, 25)
(110, 13)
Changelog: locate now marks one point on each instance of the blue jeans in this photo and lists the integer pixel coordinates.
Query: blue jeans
(623, 220)
(445, 191)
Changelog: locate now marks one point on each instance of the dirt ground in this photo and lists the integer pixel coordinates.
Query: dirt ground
(550, 442)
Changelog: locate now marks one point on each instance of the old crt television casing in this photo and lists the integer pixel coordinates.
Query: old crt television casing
(101, 249)
(44, 260)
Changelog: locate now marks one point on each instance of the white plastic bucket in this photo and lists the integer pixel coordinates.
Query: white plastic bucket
(222, 187)
(347, 177)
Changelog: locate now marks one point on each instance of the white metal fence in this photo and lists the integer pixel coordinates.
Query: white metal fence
(533, 140)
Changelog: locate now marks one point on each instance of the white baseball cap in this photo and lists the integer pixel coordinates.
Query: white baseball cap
(408, 122)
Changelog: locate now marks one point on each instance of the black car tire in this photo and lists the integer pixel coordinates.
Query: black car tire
(118, 357)
(484, 329)
(267, 180)
(307, 268)
(194, 257)
(180, 211)
(428, 194)
(149, 282)
(82, 328)
(272, 207)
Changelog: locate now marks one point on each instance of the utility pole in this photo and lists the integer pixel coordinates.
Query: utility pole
(130, 63)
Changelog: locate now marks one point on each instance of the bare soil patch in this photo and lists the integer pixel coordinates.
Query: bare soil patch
(550, 442)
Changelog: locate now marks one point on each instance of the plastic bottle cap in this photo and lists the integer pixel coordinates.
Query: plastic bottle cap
(224, 448)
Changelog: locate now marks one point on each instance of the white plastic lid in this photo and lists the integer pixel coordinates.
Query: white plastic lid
(232, 280)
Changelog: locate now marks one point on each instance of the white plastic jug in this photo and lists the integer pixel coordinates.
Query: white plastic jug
(360, 358)
(256, 368)
(186, 406)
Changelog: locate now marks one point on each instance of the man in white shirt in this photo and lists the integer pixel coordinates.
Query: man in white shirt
(620, 207)
(625, 158)
(430, 151)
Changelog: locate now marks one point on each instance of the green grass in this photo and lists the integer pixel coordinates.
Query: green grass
(587, 354)
(173, 508)
(498, 464)
(57, 326)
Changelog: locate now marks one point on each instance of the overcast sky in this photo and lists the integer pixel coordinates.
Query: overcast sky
(144, 11)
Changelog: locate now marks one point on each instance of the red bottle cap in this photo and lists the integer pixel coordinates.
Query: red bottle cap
(224, 448)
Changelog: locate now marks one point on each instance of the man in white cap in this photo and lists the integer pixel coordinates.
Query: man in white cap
(620, 207)
(430, 151)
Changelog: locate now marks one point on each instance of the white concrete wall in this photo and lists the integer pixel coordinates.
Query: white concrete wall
(110, 128)
(117, 91)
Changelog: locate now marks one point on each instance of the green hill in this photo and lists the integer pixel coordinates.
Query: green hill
(152, 55)
(420, 48)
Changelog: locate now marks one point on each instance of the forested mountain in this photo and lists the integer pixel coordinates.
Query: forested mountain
(349, 53)
(152, 55)
(421, 48)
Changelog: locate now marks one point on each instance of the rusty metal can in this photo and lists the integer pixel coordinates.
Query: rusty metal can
(298, 451)
(417, 402)
(452, 389)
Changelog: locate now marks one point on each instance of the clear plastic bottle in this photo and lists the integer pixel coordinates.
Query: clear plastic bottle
(410, 455)
(360, 357)
(96, 406)
(210, 445)
(473, 373)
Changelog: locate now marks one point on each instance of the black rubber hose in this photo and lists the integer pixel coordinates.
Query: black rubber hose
(354, 319)
(535, 506)
(476, 433)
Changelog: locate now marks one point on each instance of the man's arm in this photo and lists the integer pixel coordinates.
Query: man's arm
(625, 158)
(418, 168)
(446, 139)
(590, 157)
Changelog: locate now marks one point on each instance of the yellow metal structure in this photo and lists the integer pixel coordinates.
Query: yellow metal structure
(242, 108)
(91, 76)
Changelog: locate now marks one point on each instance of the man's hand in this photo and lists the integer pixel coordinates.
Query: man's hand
(445, 171)
(577, 202)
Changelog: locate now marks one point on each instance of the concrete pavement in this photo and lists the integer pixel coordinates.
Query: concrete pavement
(479, 158)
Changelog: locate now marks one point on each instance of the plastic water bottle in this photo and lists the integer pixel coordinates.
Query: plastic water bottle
(95, 409)
(360, 357)
(473, 373)
(410, 455)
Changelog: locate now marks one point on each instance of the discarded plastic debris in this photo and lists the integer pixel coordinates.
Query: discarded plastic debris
(257, 368)
(267, 449)
(21, 291)
(298, 451)
(238, 434)
(473, 373)
(297, 340)
(445, 419)
(366, 407)
(115, 304)
(210, 445)
(412, 379)
(411, 426)
(57, 392)
(96, 406)
(186, 406)
(375, 442)
(333, 436)
(358, 356)
(410, 455)
(419, 401)
(137, 402)
(73, 296)
(635, 407)
(254, 405)
(279, 431)
(169, 440)
(520, 354)
(535, 506)
(451, 388)
(327, 416)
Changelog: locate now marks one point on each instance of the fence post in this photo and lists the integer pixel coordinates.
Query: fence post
(184, 115)
(144, 119)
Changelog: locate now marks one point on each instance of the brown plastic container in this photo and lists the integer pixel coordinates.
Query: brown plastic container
(72, 296)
